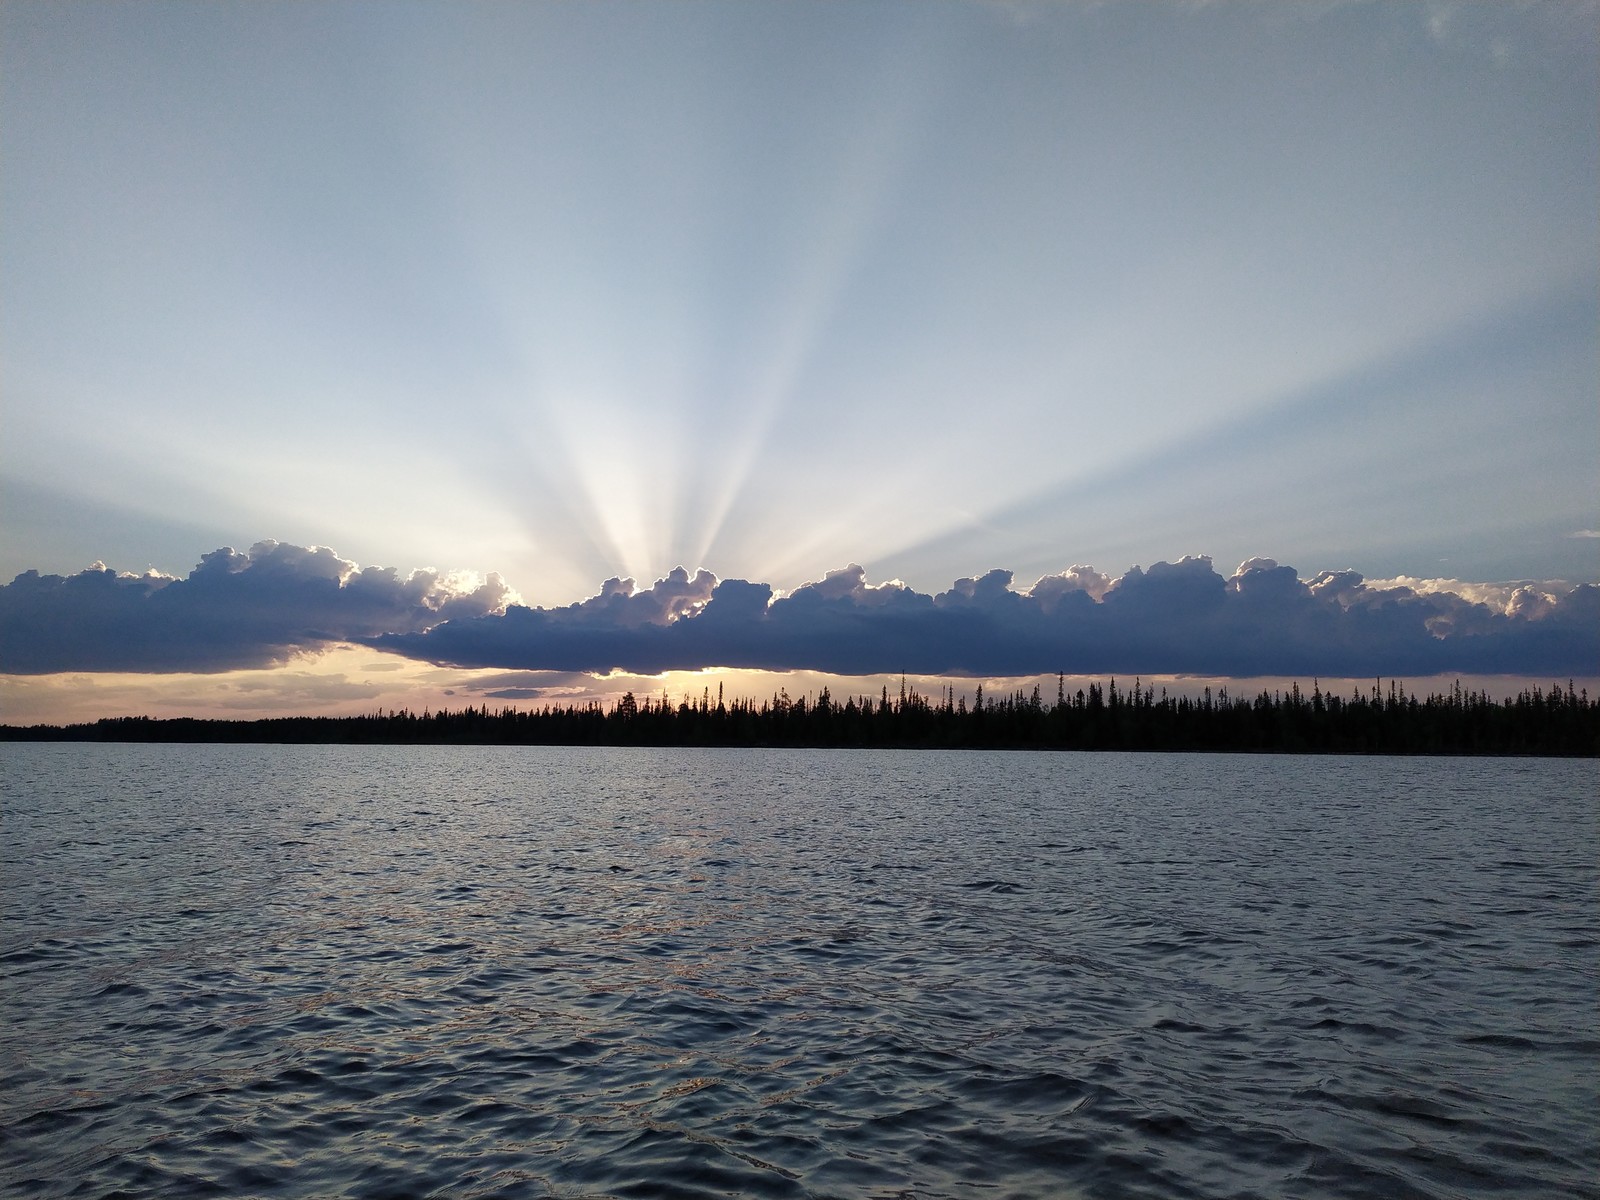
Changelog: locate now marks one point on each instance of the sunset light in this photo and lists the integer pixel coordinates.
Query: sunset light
(814, 600)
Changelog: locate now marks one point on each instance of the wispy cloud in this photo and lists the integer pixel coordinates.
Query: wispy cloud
(239, 610)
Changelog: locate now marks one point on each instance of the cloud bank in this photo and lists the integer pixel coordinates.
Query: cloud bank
(258, 608)
(233, 610)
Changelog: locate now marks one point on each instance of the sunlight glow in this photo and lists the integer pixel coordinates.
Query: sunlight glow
(856, 202)
(348, 681)
(568, 292)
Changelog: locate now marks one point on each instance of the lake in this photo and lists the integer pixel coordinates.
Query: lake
(526, 972)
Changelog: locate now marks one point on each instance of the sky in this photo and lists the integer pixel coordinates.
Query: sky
(359, 354)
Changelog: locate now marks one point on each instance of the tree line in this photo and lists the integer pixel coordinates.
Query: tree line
(1558, 721)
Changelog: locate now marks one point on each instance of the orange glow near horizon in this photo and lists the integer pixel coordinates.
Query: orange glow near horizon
(350, 681)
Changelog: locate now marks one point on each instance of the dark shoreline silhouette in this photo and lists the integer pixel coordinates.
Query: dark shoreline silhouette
(1560, 722)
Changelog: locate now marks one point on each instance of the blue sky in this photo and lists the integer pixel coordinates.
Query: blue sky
(572, 291)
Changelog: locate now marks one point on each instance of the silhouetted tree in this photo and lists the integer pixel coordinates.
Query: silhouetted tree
(1560, 721)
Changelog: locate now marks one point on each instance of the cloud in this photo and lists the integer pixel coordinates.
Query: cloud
(1049, 590)
(234, 610)
(1498, 596)
(1171, 618)
(1179, 617)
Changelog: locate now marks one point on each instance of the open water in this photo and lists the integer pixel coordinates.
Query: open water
(424, 971)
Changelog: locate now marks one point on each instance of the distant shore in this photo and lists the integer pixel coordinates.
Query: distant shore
(1558, 722)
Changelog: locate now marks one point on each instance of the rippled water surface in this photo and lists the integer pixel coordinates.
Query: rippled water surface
(410, 971)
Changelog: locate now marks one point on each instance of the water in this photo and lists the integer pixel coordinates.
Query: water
(469, 972)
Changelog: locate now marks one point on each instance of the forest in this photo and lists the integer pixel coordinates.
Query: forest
(1378, 720)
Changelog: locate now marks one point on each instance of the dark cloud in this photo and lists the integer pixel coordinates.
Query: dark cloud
(1172, 618)
(233, 610)
(239, 610)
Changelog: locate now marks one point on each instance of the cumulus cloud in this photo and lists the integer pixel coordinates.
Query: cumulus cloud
(1076, 578)
(621, 603)
(1495, 595)
(1171, 618)
(1179, 617)
(234, 610)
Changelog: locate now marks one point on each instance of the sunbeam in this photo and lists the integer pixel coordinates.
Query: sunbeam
(1338, 449)
(572, 292)
(849, 208)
